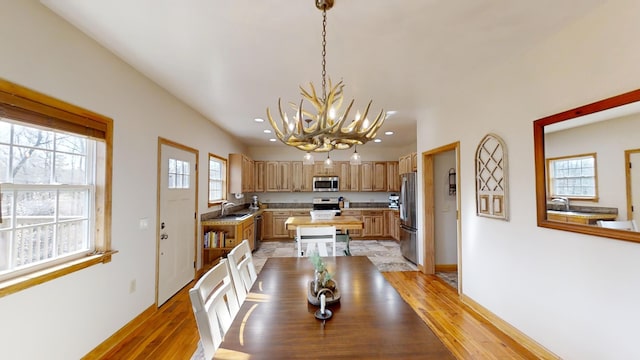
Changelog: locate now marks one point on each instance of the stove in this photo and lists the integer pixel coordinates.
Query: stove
(329, 204)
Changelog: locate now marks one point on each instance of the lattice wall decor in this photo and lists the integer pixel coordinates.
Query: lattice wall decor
(491, 178)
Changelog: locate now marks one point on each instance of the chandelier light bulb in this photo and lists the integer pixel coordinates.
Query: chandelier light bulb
(355, 158)
(307, 159)
(328, 163)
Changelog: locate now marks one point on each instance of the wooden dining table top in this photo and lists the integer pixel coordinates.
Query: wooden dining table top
(340, 222)
(371, 320)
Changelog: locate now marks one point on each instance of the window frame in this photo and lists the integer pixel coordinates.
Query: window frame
(550, 179)
(34, 108)
(225, 181)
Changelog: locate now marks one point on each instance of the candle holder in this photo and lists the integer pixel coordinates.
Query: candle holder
(322, 284)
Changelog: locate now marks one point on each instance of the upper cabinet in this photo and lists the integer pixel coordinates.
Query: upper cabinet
(301, 176)
(258, 176)
(408, 163)
(373, 175)
(240, 174)
(393, 176)
(349, 176)
(278, 175)
(284, 176)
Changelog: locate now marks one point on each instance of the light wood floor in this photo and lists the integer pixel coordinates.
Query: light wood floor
(171, 332)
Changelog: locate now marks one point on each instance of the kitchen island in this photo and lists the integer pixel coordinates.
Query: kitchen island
(343, 223)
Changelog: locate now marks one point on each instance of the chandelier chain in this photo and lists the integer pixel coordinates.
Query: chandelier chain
(324, 54)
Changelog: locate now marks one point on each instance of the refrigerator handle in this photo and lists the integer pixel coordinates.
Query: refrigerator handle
(403, 195)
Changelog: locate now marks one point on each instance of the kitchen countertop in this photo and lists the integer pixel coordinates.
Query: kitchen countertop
(584, 215)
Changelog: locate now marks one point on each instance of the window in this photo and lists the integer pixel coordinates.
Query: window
(179, 174)
(55, 168)
(217, 179)
(573, 176)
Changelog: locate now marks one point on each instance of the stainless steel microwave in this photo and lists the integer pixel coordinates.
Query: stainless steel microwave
(325, 183)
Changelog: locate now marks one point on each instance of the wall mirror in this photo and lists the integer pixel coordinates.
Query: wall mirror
(585, 180)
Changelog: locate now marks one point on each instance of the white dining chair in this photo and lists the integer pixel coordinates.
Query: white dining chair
(619, 224)
(243, 270)
(316, 238)
(215, 304)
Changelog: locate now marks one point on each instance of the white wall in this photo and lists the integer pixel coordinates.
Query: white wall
(68, 317)
(446, 226)
(575, 294)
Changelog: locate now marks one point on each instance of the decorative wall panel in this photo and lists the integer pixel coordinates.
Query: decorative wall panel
(491, 178)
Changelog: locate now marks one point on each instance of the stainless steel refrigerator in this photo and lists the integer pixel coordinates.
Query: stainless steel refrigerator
(408, 218)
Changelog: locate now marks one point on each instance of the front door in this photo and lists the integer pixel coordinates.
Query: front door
(177, 223)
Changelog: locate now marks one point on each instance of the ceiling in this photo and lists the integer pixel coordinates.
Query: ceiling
(230, 60)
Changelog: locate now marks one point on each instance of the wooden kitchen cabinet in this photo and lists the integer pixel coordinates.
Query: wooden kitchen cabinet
(393, 176)
(408, 163)
(274, 227)
(220, 237)
(356, 214)
(240, 174)
(373, 176)
(414, 162)
(258, 176)
(349, 176)
(366, 176)
(248, 232)
(301, 176)
(373, 223)
(278, 175)
(320, 170)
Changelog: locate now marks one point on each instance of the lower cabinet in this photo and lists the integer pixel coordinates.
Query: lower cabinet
(392, 224)
(354, 234)
(274, 228)
(220, 237)
(373, 224)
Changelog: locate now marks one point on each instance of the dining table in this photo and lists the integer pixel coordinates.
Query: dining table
(369, 321)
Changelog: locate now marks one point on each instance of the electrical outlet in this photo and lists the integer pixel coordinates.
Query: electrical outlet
(132, 286)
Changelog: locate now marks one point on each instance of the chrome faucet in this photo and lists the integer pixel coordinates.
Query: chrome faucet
(225, 205)
(562, 200)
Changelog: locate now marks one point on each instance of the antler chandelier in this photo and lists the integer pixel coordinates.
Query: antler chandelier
(324, 129)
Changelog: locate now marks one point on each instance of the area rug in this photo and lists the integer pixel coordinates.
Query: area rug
(450, 277)
(384, 254)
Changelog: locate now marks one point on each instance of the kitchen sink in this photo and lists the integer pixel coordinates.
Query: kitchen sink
(236, 216)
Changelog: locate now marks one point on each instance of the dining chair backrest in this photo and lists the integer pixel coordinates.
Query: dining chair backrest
(243, 270)
(619, 224)
(215, 304)
(315, 238)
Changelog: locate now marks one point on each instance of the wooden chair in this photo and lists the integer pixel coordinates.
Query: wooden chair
(243, 270)
(215, 304)
(316, 237)
(619, 224)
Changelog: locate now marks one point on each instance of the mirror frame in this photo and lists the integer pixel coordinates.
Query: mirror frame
(540, 168)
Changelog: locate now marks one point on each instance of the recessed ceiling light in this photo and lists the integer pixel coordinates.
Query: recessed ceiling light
(377, 140)
(388, 132)
(259, 120)
(267, 131)
(272, 140)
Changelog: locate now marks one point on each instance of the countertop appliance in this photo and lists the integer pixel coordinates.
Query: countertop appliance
(408, 219)
(325, 183)
(255, 204)
(394, 201)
